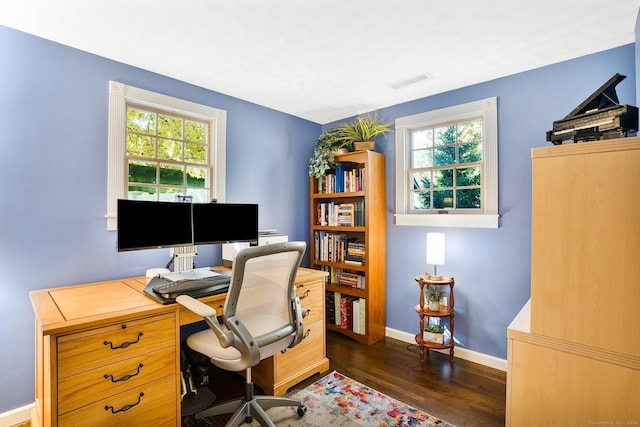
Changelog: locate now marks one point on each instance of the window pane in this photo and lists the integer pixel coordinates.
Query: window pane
(141, 145)
(171, 174)
(443, 178)
(468, 198)
(421, 180)
(142, 172)
(445, 135)
(445, 155)
(141, 121)
(168, 194)
(195, 153)
(420, 200)
(422, 158)
(169, 127)
(199, 195)
(197, 177)
(470, 131)
(422, 138)
(169, 150)
(468, 176)
(469, 153)
(443, 199)
(195, 132)
(141, 193)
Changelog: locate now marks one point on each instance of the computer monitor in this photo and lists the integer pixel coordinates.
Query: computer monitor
(224, 223)
(144, 224)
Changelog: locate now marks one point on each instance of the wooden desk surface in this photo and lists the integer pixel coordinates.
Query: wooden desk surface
(71, 308)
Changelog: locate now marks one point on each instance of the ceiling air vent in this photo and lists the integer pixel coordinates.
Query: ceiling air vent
(411, 80)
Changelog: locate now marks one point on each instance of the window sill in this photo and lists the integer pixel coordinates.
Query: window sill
(448, 220)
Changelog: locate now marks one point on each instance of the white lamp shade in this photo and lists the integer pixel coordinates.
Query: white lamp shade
(435, 248)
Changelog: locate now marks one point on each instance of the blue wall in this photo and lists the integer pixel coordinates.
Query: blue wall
(492, 266)
(53, 148)
(53, 178)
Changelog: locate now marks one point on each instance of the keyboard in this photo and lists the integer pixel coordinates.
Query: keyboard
(166, 291)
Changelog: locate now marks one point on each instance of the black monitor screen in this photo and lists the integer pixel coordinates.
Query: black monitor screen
(144, 224)
(224, 223)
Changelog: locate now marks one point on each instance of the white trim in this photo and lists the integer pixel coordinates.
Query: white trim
(119, 94)
(460, 352)
(16, 416)
(453, 220)
(488, 109)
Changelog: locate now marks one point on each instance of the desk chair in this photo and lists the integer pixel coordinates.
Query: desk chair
(262, 315)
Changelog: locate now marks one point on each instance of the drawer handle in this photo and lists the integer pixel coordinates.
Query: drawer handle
(125, 377)
(306, 313)
(306, 334)
(124, 344)
(306, 294)
(125, 407)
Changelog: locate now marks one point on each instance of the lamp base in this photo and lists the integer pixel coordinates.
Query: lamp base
(432, 277)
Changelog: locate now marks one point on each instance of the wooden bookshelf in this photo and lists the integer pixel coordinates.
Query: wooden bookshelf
(339, 245)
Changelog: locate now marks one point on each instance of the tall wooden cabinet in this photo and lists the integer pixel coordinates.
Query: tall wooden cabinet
(348, 240)
(574, 349)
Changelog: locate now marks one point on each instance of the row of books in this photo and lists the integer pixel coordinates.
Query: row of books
(341, 214)
(344, 277)
(338, 247)
(343, 180)
(345, 311)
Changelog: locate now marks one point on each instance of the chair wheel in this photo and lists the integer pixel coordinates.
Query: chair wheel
(248, 420)
(302, 410)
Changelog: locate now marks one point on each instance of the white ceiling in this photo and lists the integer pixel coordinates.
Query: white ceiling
(324, 60)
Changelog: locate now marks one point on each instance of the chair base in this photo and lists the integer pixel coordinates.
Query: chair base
(244, 411)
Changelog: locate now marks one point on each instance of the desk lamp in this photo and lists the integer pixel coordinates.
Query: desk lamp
(435, 253)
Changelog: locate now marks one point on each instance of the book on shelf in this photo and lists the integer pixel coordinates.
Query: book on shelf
(342, 179)
(345, 311)
(340, 214)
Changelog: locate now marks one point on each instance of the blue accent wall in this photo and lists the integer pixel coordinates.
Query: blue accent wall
(53, 170)
(53, 180)
(492, 267)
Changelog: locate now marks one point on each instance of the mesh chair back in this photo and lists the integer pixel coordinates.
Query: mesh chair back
(262, 293)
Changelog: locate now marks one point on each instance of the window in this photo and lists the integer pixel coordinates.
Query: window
(446, 167)
(160, 147)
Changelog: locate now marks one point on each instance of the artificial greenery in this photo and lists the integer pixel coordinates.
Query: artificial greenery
(364, 128)
(434, 329)
(324, 150)
(434, 293)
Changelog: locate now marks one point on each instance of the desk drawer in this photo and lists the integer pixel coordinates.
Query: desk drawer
(78, 390)
(98, 347)
(153, 404)
(312, 300)
(307, 353)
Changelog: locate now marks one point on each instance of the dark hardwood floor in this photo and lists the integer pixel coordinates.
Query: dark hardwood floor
(465, 394)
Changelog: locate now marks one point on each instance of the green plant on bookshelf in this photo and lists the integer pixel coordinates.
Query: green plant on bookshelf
(363, 130)
(327, 145)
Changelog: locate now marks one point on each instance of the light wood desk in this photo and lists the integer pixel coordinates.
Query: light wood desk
(107, 355)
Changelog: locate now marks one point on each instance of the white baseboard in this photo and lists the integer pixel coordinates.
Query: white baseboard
(16, 416)
(461, 352)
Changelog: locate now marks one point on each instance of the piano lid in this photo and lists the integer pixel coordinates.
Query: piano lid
(604, 97)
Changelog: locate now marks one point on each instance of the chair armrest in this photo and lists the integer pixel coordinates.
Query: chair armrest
(198, 307)
(224, 335)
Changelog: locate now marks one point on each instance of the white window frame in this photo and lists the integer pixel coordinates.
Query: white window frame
(121, 94)
(489, 216)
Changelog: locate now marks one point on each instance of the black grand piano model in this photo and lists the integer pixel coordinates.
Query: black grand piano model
(599, 117)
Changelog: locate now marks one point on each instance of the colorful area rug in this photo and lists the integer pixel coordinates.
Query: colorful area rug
(336, 400)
